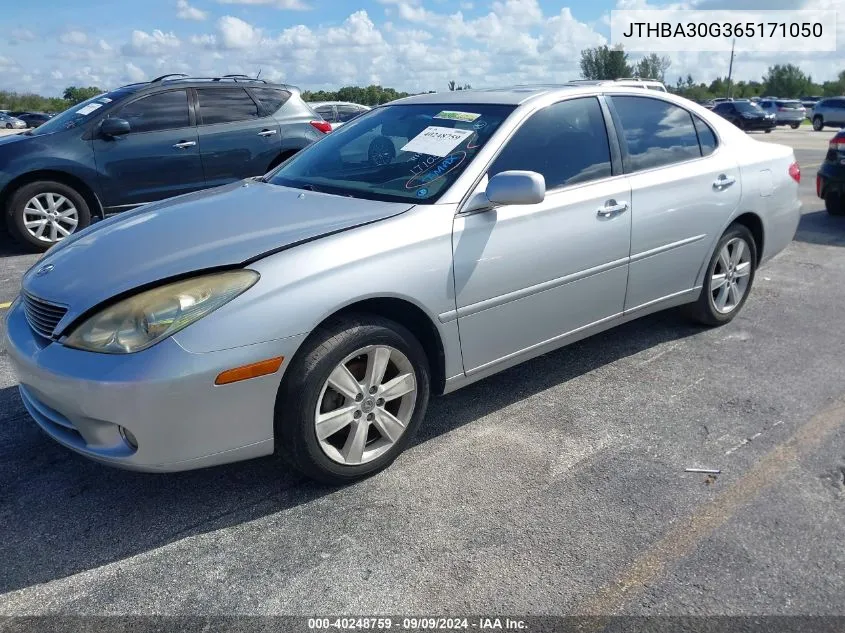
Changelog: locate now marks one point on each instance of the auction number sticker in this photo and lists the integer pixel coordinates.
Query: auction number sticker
(89, 108)
(437, 141)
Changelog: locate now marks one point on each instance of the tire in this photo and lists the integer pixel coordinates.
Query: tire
(795, 125)
(21, 199)
(818, 123)
(8, 126)
(769, 131)
(305, 390)
(834, 203)
(705, 310)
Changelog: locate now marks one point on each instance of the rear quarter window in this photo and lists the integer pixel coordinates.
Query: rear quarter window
(271, 98)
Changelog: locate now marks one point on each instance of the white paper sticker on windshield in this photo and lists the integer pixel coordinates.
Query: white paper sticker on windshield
(454, 115)
(89, 108)
(436, 141)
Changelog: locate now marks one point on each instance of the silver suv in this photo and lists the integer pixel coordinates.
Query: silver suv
(829, 112)
(787, 111)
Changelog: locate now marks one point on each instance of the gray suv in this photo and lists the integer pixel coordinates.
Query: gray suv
(829, 112)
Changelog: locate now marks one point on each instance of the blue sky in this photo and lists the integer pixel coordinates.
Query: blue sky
(412, 45)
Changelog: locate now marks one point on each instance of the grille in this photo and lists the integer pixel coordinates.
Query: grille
(43, 317)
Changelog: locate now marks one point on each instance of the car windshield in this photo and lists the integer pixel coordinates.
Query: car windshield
(745, 106)
(78, 114)
(395, 153)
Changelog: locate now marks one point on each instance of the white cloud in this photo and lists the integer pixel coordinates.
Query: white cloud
(77, 38)
(134, 72)
(237, 34)
(104, 46)
(21, 35)
(155, 43)
(185, 11)
(290, 5)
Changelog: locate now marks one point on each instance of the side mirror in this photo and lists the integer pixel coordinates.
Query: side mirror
(510, 187)
(113, 126)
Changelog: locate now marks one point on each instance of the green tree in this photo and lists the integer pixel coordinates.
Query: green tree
(604, 62)
(74, 95)
(652, 66)
(785, 80)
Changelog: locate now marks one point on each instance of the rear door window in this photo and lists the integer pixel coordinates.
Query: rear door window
(655, 132)
(347, 113)
(327, 112)
(565, 142)
(225, 105)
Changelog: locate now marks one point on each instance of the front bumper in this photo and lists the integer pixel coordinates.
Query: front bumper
(165, 396)
(758, 124)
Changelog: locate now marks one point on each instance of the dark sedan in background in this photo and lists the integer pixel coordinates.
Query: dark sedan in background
(34, 119)
(746, 115)
(830, 181)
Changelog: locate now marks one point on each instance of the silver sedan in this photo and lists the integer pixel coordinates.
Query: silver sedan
(425, 245)
(9, 122)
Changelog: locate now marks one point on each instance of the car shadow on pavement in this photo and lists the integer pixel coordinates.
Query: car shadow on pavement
(819, 227)
(63, 514)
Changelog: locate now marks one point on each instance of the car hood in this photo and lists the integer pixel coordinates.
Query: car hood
(222, 227)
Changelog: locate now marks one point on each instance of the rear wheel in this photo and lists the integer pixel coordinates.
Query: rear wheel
(818, 123)
(834, 203)
(769, 131)
(795, 125)
(352, 399)
(8, 126)
(43, 213)
(730, 275)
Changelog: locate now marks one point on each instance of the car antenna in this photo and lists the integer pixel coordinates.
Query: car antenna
(259, 74)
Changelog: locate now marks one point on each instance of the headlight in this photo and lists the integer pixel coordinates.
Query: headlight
(141, 321)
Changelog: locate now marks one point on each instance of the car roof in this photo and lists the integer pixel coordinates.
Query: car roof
(224, 81)
(517, 95)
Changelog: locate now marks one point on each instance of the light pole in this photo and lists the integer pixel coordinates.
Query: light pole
(731, 69)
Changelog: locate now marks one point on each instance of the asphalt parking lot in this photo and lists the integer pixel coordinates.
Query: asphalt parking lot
(557, 487)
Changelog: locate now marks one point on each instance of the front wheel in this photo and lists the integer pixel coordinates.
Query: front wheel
(730, 275)
(818, 123)
(351, 399)
(42, 213)
(769, 131)
(795, 125)
(8, 126)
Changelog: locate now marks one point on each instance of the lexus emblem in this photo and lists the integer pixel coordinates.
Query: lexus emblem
(44, 270)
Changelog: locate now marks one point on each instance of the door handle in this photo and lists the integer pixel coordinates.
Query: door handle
(611, 207)
(266, 132)
(723, 181)
(184, 144)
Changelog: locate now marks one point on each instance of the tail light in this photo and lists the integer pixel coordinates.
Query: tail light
(324, 126)
(795, 172)
(818, 186)
(837, 143)
(782, 109)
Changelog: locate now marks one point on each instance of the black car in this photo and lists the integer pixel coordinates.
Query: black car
(145, 142)
(33, 119)
(746, 115)
(830, 181)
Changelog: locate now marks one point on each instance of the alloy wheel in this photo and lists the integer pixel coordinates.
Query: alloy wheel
(50, 217)
(730, 276)
(365, 405)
